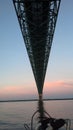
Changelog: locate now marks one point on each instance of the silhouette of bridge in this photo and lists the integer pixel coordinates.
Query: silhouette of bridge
(37, 19)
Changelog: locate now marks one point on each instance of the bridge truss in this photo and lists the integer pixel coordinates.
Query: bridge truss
(37, 19)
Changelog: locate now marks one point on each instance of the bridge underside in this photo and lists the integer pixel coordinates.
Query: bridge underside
(37, 19)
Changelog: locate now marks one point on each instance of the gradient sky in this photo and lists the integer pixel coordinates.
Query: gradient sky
(16, 77)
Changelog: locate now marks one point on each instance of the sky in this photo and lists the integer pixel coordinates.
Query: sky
(16, 76)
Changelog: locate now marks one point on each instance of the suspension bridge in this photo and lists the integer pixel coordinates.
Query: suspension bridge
(37, 20)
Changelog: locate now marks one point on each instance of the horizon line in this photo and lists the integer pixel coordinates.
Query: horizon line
(44, 99)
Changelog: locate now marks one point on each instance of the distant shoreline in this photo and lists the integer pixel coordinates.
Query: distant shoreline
(27, 100)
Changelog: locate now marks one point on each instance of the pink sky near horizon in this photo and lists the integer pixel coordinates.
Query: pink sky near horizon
(51, 89)
(59, 88)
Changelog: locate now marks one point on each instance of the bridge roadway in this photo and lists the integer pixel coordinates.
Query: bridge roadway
(37, 20)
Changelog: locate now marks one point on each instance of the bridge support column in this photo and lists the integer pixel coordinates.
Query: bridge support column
(40, 96)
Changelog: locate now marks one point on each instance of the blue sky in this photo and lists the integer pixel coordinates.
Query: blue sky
(16, 77)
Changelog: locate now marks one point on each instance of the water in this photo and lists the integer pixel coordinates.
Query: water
(13, 115)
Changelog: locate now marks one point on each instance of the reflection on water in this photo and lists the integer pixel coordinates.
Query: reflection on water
(13, 115)
(41, 110)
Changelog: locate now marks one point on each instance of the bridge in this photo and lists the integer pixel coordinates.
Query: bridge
(37, 20)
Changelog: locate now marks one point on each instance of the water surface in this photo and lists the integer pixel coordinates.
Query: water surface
(13, 115)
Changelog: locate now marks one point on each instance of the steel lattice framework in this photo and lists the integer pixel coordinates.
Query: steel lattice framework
(37, 19)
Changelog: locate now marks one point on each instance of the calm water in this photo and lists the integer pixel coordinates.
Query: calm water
(13, 115)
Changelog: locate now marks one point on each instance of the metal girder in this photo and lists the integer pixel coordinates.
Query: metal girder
(37, 19)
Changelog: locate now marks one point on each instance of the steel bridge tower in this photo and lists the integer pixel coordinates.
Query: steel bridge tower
(37, 19)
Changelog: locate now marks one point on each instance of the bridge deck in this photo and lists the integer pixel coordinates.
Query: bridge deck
(37, 19)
